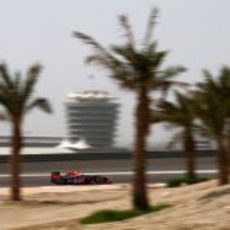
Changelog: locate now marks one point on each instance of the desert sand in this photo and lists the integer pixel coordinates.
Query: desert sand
(203, 206)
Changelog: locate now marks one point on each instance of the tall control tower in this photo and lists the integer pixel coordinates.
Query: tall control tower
(91, 119)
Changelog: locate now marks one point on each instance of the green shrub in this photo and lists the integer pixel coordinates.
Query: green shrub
(194, 180)
(115, 215)
(176, 182)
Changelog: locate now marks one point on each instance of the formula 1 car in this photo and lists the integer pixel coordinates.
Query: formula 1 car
(77, 178)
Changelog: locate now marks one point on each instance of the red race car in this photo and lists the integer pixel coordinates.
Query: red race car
(76, 178)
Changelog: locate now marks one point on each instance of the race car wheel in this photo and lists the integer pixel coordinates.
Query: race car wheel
(59, 181)
(100, 180)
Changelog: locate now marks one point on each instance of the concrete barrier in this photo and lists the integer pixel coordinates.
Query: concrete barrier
(105, 155)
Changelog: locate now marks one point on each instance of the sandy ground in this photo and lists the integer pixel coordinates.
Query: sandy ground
(199, 207)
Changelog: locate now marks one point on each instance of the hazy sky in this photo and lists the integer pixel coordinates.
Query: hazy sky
(197, 32)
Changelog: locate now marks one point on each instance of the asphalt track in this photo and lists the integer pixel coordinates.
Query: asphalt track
(120, 170)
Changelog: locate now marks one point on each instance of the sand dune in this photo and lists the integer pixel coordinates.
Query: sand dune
(203, 206)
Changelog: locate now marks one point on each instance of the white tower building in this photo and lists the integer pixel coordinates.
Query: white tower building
(91, 119)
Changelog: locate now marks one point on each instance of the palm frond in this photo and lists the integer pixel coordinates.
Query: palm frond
(209, 81)
(171, 72)
(124, 22)
(179, 114)
(99, 60)
(150, 26)
(214, 105)
(158, 58)
(130, 66)
(5, 75)
(41, 103)
(224, 81)
(17, 83)
(176, 139)
(30, 81)
(165, 86)
(5, 101)
(102, 56)
(125, 53)
(205, 130)
(164, 81)
(157, 116)
(92, 42)
(208, 76)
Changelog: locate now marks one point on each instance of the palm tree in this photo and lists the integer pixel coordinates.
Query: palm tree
(138, 70)
(16, 97)
(180, 115)
(214, 112)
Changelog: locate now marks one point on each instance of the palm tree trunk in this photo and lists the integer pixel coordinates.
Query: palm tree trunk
(228, 152)
(222, 162)
(190, 158)
(16, 162)
(140, 200)
(227, 149)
